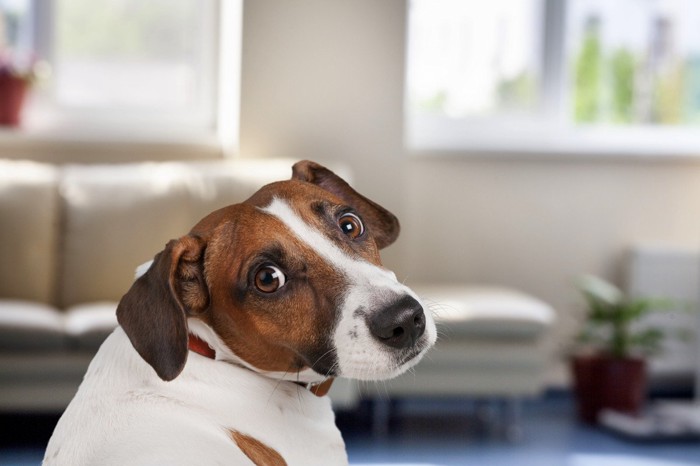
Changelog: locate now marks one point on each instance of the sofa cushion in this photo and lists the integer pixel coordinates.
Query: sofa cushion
(28, 325)
(119, 216)
(87, 325)
(486, 312)
(28, 230)
(516, 354)
(116, 217)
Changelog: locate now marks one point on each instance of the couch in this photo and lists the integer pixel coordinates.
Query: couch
(71, 237)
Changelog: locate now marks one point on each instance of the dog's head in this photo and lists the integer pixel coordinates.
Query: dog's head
(289, 281)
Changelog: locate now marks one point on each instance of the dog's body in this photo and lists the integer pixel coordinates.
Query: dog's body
(277, 295)
(125, 415)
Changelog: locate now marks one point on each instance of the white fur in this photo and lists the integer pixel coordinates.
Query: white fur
(142, 269)
(360, 356)
(123, 414)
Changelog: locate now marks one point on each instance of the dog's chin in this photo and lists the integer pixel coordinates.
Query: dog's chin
(361, 356)
(380, 364)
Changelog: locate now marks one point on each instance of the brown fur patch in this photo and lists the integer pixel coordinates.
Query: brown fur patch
(189, 280)
(286, 331)
(383, 223)
(258, 452)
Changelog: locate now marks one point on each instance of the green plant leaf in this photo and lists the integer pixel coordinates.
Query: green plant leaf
(611, 316)
(598, 290)
(647, 341)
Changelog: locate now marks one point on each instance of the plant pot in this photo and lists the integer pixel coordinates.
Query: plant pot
(12, 91)
(605, 382)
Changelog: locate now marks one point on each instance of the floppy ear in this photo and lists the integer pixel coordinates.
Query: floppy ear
(382, 223)
(154, 311)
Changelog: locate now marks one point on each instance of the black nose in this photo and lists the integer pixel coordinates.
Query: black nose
(398, 325)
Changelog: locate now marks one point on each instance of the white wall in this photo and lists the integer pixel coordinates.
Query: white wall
(323, 79)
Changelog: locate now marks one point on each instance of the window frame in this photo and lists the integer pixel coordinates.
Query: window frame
(550, 133)
(78, 134)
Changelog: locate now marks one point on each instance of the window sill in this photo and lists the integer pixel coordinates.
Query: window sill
(102, 145)
(428, 137)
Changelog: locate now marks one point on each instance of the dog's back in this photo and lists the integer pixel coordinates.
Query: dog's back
(125, 414)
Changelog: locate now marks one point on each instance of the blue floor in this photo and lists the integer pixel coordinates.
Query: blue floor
(456, 433)
(447, 433)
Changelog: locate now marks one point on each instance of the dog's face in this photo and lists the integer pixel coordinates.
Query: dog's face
(289, 281)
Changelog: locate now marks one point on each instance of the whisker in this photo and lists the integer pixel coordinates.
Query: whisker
(277, 385)
(299, 389)
(323, 356)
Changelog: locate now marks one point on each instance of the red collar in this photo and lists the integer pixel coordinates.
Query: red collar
(200, 346)
(319, 389)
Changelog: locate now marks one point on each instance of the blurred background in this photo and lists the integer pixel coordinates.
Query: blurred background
(522, 143)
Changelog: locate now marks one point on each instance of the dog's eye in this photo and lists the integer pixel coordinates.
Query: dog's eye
(269, 279)
(351, 225)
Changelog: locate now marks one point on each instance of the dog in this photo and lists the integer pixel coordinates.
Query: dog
(230, 338)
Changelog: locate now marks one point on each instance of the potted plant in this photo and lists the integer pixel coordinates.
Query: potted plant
(612, 373)
(16, 76)
(12, 91)
(19, 68)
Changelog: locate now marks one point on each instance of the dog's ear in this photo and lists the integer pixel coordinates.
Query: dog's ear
(383, 224)
(154, 311)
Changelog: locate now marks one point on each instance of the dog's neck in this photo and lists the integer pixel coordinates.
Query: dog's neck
(201, 347)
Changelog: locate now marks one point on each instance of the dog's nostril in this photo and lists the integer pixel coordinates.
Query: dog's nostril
(419, 319)
(400, 324)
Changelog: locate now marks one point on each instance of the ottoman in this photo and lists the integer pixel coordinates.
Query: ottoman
(491, 347)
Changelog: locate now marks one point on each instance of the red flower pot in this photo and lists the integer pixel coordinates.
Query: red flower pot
(12, 91)
(604, 382)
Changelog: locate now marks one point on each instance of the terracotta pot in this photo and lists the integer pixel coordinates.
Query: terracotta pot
(12, 90)
(604, 382)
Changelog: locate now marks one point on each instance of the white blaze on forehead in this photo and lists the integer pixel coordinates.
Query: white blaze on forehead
(321, 244)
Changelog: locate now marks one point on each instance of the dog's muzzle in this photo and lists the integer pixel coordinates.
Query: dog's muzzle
(399, 325)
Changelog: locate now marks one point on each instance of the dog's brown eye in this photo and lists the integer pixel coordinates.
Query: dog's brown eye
(351, 225)
(269, 279)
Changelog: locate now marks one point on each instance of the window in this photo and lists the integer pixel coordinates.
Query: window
(635, 62)
(124, 66)
(468, 60)
(619, 76)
